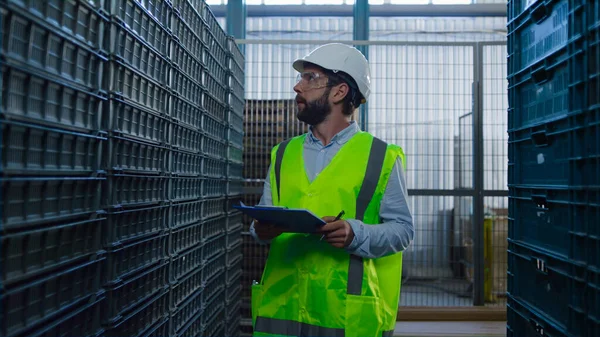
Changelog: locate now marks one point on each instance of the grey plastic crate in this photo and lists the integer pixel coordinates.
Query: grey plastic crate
(137, 122)
(213, 106)
(214, 148)
(186, 188)
(215, 246)
(161, 329)
(125, 262)
(234, 236)
(127, 47)
(136, 17)
(234, 267)
(220, 37)
(237, 89)
(189, 39)
(186, 213)
(130, 156)
(217, 89)
(213, 228)
(193, 327)
(213, 188)
(183, 238)
(234, 219)
(124, 297)
(134, 86)
(79, 19)
(235, 186)
(189, 309)
(186, 62)
(218, 326)
(134, 190)
(234, 246)
(29, 149)
(38, 46)
(36, 97)
(45, 299)
(160, 10)
(37, 251)
(215, 64)
(137, 323)
(235, 171)
(213, 208)
(234, 320)
(191, 15)
(186, 112)
(185, 138)
(185, 87)
(215, 309)
(214, 168)
(228, 207)
(83, 321)
(236, 56)
(235, 120)
(27, 202)
(124, 226)
(215, 265)
(213, 127)
(233, 290)
(186, 163)
(235, 154)
(185, 263)
(185, 287)
(235, 137)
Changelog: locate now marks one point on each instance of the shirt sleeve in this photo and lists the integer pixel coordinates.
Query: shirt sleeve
(396, 232)
(265, 200)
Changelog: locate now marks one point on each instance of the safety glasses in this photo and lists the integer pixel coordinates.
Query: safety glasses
(309, 80)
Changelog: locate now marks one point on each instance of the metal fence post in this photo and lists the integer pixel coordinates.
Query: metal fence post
(361, 33)
(478, 181)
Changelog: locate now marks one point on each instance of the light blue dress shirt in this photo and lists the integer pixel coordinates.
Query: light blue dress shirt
(396, 231)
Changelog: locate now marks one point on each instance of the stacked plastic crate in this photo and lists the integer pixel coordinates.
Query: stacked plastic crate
(115, 172)
(235, 65)
(137, 161)
(554, 168)
(51, 170)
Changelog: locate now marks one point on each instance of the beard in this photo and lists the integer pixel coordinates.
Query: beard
(315, 112)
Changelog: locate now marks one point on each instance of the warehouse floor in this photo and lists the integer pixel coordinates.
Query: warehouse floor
(450, 329)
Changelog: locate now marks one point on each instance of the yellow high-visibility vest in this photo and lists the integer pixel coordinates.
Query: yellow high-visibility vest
(308, 287)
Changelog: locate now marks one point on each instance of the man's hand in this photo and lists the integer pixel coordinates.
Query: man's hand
(266, 232)
(338, 233)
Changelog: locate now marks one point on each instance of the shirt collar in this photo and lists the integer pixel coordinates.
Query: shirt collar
(341, 137)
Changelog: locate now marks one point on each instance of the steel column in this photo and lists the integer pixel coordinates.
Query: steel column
(478, 181)
(236, 20)
(361, 33)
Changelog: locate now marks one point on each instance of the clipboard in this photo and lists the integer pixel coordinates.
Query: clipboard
(294, 220)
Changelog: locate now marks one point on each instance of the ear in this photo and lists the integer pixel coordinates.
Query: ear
(339, 92)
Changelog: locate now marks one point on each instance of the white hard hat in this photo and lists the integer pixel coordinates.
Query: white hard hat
(341, 57)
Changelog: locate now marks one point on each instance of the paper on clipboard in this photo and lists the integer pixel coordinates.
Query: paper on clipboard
(293, 220)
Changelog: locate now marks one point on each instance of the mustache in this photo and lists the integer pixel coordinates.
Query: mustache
(299, 99)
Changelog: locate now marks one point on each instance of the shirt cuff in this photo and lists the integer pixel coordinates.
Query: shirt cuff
(359, 234)
(255, 236)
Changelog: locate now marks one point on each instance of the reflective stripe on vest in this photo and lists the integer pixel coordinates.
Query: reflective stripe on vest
(292, 328)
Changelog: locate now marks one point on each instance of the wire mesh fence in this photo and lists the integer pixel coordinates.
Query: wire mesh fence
(423, 99)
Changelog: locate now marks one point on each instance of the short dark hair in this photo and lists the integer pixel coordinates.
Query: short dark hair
(353, 98)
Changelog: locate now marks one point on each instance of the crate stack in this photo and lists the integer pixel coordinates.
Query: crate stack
(554, 168)
(235, 113)
(116, 173)
(52, 261)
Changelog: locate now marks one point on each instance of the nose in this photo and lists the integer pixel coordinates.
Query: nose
(297, 88)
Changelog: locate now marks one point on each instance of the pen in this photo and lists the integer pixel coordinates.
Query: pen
(336, 219)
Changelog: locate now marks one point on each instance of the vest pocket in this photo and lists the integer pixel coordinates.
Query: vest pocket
(256, 293)
(363, 317)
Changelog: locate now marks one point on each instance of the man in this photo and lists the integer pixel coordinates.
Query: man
(345, 279)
